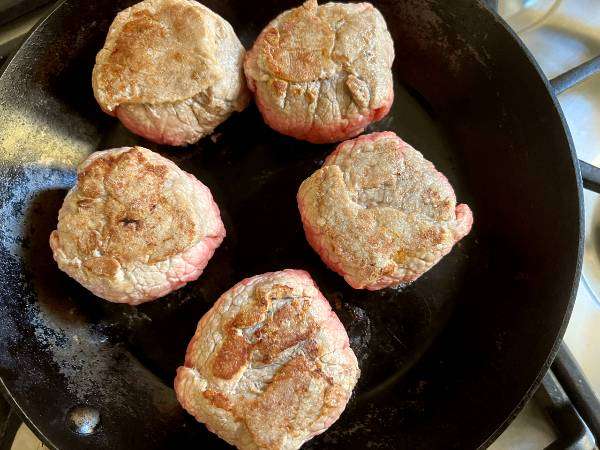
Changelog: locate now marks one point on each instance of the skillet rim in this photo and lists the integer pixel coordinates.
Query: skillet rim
(580, 225)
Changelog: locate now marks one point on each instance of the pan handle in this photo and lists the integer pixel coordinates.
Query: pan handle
(589, 173)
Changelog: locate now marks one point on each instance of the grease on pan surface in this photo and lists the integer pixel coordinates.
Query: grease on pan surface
(171, 71)
(135, 227)
(380, 214)
(270, 365)
(323, 73)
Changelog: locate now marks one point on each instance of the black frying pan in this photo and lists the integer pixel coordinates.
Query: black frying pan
(446, 362)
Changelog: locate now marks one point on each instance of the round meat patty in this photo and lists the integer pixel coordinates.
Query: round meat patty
(171, 71)
(323, 73)
(380, 214)
(270, 365)
(135, 226)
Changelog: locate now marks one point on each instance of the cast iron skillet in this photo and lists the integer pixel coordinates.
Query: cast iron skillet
(446, 362)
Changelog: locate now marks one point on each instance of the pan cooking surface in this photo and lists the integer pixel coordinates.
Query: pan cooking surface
(62, 348)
